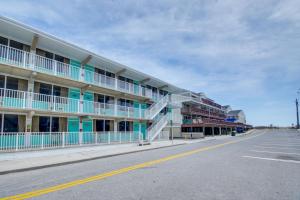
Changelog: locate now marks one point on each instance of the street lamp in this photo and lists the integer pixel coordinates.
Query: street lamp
(297, 107)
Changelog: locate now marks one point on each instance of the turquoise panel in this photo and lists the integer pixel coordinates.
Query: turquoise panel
(11, 141)
(143, 107)
(74, 93)
(88, 104)
(73, 129)
(75, 69)
(41, 105)
(144, 129)
(136, 129)
(14, 102)
(136, 111)
(89, 73)
(136, 87)
(88, 135)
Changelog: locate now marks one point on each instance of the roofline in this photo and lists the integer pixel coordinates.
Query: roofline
(76, 47)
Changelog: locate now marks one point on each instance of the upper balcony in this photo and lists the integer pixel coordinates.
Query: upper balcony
(27, 101)
(202, 112)
(72, 74)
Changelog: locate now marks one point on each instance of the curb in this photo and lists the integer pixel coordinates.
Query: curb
(79, 161)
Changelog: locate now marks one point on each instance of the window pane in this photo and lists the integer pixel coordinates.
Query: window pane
(45, 89)
(99, 125)
(16, 44)
(122, 126)
(56, 90)
(44, 125)
(11, 123)
(12, 83)
(3, 41)
(55, 124)
(2, 80)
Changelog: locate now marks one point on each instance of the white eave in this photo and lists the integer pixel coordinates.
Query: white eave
(23, 33)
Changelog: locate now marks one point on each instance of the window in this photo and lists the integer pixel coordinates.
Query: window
(109, 99)
(122, 126)
(100, 71)
(56, 91)
(2, 81)
(100, 98)
(99, 125)
(109, 74)
(43, 53)
(109, 125)
(44, 125)
(55, 124)
(11, 123)
(12, 83)
(16, 45)
(45, 89)
(3, 41)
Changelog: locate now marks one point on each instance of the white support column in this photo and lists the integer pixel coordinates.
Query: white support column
(80, 130)
(213, 131)
(28, 127)
(220, 131)
(81, 102)
(30, 93)
(116, 107)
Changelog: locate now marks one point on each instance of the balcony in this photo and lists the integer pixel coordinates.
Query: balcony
(30, 61)
(15, 99)
(202, 112)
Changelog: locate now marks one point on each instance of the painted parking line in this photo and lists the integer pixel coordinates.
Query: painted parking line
(282, 145)
(102, 176)
(275, 152)
(277, 147)
(272, 159)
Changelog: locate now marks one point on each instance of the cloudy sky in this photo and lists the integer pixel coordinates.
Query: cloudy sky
(243, 53)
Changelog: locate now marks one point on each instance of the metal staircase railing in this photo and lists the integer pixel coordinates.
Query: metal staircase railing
(154, 130)
(155, 108)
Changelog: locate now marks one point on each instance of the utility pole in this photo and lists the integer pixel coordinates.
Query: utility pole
(297, 112)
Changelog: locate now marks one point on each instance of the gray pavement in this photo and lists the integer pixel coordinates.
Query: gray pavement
(266, 165)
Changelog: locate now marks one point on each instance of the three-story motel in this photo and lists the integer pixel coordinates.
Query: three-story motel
(56, 94)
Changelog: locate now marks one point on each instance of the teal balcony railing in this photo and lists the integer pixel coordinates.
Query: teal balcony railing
(27, 60)
(16, 99)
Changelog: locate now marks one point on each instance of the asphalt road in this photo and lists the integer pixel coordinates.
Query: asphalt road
(264, 165)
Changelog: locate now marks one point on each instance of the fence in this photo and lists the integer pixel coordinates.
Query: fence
(37, 140)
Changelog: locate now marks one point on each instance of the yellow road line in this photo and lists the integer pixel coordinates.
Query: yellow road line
(114, 172)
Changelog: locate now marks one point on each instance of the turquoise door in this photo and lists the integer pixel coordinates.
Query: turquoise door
(74, 69)
(73, 129)
(88, 135)
(136, 111)
(136, 130)
(144, 129)
(88, 105)
(73, 104)
(89, 73)
(136, 87)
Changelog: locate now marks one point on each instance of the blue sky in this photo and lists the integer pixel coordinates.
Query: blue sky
(243, 53)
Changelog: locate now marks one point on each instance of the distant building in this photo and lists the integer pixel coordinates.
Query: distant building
(237, 116)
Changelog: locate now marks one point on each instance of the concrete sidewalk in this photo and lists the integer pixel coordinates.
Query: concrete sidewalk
(24, 161)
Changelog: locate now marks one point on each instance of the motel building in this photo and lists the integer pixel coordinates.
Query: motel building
(54, 94)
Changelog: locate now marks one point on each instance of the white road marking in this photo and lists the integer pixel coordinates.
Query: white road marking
(277, 147)
(272, 159)
(289, 144)
(276, 152)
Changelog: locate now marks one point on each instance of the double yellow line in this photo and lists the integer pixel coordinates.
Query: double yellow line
(112, 173)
